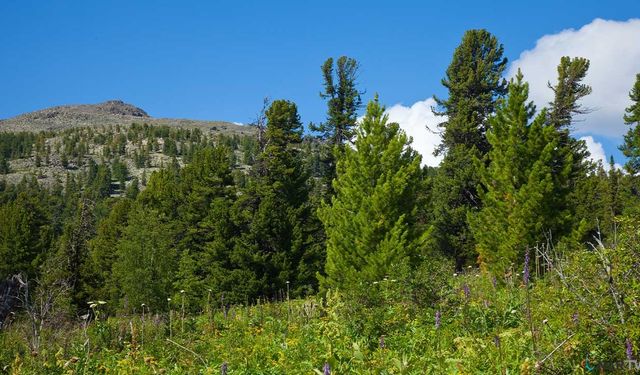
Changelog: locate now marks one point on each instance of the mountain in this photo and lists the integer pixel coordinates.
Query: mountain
(109, 113)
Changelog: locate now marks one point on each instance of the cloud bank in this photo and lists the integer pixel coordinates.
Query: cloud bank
(414, 121)
(613, 48)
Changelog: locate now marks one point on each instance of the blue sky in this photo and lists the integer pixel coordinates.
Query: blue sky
(217, 59)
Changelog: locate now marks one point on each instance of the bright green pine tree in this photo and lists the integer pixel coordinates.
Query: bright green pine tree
(474, 81)
(371, 221)
(631, 146)
(517, 209)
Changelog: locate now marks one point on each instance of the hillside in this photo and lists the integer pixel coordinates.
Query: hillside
(66, 140)
(109, 113)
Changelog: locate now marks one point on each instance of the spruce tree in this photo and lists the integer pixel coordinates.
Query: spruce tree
(371, 222)
(474, 82)
(631, 146)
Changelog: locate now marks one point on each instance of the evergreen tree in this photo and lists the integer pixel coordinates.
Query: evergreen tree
(102, 252)
(146, 260)
(25, 233)
(631, 146)
(572, 164)
(474, 81)
(343, 102)
(518, 207)
(273, 213)
(4, 165)
(371, 222)
(568, 91)
(71, 258)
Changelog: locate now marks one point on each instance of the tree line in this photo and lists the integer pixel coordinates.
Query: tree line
(346, 204)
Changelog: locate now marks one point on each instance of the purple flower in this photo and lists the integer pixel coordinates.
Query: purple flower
(326, 370)
(438, 316)
(467, 291)
(494, 281)
(382, 342)
(629, 346)
(525, 276)
(496, 341)
(224, 368)
(575, 318)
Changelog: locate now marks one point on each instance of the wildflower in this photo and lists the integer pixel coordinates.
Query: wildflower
(382, 342)
(629, 346)
(525, 276)
(168, 299)
(575, 318)
(494, 281)
(455, 274)
(496, 341)
(326, 369)
(467, 291)
(438, 316)
(224, 368)
(182, 291)
(545, 321)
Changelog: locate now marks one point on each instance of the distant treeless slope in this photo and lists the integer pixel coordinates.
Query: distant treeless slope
(113, 112)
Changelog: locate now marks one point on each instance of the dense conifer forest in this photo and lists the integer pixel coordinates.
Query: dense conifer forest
(329, 249)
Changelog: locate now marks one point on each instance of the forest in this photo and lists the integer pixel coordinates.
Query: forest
(330, 248)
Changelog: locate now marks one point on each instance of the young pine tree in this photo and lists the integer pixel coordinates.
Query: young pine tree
(517, 209)
(371, 221)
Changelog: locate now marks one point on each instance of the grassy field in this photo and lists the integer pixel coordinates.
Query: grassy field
(474, 324)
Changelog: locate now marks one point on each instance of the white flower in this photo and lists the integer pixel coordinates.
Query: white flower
(513, 311)
(182, 291)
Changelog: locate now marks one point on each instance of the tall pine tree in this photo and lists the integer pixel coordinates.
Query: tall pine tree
(631, 146)
(343, 102)
(474, 81)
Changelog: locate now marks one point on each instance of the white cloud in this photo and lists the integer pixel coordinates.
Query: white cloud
(414, 121)
(597, 152)
(613, 48)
